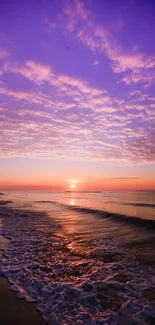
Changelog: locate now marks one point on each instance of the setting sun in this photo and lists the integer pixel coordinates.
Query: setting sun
(73, 186)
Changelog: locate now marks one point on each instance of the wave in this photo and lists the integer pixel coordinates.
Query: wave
(119, 217)
(148, 223)
(98, 287)
(147, 205)
(5, 202)
(46, 201)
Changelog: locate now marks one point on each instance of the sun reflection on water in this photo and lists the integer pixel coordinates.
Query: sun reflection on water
(72, 202)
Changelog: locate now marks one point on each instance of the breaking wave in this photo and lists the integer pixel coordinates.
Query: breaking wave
(148, 223)
(101, 286)
(144, 205)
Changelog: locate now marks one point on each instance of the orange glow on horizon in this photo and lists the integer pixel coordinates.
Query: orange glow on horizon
(83, 185)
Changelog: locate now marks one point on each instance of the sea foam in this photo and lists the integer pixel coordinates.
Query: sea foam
(106, 285)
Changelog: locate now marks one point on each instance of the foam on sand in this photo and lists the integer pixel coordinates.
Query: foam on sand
(103, 286)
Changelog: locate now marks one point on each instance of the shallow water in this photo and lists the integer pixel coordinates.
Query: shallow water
(82, 261)
(132, 203)
(82, 213)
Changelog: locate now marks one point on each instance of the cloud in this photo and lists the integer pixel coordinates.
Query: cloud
(139, 67)
(140, 149)
(65, 116)
(125, 61)
(78, 90)
(73, 119)
(140, 76)
(96, 62)
(3, 53)
(75, 10)
(125, 178)
(113, 179)
(21, 95)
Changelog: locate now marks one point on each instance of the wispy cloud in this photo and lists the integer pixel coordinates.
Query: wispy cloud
(120, 178)
(3, 53)
(73, 115)
(100, 112)
(139, 67)
(96, 62)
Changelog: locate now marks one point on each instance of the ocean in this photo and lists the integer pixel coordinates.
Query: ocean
(84, 257)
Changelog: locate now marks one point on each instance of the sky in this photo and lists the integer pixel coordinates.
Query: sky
(77, 94)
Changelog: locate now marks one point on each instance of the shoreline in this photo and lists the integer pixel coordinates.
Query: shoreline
(12, 309)
(98, 280)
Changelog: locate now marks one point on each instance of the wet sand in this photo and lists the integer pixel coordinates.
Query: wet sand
(14, 310)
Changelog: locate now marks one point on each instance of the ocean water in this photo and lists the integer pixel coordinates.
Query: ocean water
(84, 257)
(132, 203)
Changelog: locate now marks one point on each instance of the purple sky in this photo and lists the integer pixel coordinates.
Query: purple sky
(77, 91)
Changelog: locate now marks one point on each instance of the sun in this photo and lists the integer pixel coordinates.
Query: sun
(73, 186)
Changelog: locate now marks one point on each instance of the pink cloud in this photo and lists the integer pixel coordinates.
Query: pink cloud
(38, 74)
(3, 53)
(87, 40)
(81, 10)
(140, 76)
(75, 9)
(121, 61)
(97, 38)
(141, 149)
(21, 95)
(90, 115)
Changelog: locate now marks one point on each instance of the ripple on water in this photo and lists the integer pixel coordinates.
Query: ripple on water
(101, 285)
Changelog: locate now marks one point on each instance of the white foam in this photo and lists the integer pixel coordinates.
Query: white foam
(69, 287)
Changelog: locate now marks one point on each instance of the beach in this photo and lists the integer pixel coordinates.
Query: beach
(12, 309)
(64, 263)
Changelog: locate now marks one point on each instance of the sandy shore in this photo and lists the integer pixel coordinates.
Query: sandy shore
(14, 310)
